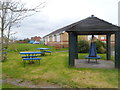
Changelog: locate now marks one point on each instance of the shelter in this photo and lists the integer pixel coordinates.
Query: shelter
(93, 26)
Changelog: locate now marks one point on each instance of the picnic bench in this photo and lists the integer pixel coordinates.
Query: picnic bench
(30, 56)
(44, 50)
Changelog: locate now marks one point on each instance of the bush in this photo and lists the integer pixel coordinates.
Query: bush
(100, 46)
(83, 46)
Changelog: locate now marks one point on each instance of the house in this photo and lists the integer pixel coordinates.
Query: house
(56, 38)
(103, 38)
(59, 38)
(35, 40)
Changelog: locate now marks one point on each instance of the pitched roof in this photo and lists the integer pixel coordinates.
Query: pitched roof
(90, 24)
(93, 23)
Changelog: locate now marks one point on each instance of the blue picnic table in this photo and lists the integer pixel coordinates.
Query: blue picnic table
(30, 56)
(44, 50)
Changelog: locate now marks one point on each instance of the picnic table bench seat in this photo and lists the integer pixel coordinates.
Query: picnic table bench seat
(48, 52)
(29, 56)
(31, 59)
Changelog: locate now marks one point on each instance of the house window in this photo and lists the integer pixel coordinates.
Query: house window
(58, 38)
(102, 38)
(89, 37)
(45, 40)
(48, 38)
(96, 36)
(53, 38)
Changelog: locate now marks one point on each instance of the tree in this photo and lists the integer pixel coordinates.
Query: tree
(11, 13)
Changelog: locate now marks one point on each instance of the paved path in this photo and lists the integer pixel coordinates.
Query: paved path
(28, 84)
(61, 51)
(93, 64)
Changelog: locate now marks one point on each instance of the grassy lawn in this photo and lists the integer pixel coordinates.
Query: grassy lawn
(54, 69)
(31, 47)
(0, 75)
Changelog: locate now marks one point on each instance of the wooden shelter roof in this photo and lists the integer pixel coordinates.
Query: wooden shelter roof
(88, 26)
(93, 25)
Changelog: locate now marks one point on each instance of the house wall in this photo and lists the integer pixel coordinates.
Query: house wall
(64, 39)
(60, 40)
(112, 39)
(36, 39)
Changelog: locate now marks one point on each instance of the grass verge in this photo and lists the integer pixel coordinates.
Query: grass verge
(54, 69)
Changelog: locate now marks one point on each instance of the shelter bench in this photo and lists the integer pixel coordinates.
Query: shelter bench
(97, 57)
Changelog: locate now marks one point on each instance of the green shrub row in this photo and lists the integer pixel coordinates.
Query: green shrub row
(83, 46)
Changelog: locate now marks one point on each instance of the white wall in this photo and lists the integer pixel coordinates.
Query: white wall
(53, 38)
(58, 38)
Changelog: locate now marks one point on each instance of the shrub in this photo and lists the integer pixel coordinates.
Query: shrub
(83, 46)
(100, 46)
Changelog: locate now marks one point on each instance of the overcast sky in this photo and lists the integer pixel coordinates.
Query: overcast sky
(59, 13)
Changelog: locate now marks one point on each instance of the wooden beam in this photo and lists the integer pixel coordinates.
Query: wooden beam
(108, 47)
(117, 49)
(73, 48)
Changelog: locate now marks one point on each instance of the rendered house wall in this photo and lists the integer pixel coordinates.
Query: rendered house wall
(64, 39)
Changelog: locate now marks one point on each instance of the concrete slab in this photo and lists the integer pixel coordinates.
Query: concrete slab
(92, 64)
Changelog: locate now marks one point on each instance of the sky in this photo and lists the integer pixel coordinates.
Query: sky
(59, 13)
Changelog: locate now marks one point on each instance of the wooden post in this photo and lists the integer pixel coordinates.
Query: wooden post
(73, 48)
(117, 49)
(108, 48)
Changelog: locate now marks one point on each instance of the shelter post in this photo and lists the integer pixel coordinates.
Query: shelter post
(117, 49)
(108, 47)
(73, 48)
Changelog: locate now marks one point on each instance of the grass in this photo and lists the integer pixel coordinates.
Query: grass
(0, 75)
(31, 47)
(54, 69)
